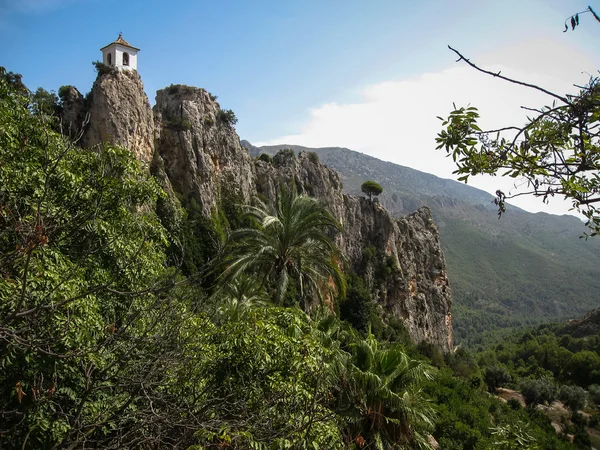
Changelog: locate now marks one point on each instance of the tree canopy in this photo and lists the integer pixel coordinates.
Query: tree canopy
(289, 245)
(556, 151)
(84, 321)
(371, 188)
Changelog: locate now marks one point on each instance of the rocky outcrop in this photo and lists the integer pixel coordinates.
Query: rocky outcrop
(201, 151)
(306, 174)
(415, 289)
(421, 295)
(120, 114)
(74, 114)
(198, 156)
(588, 325)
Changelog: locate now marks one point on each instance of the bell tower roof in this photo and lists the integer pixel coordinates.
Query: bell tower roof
(122, 42)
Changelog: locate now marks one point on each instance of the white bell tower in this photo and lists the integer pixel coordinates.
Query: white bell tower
(120, 54)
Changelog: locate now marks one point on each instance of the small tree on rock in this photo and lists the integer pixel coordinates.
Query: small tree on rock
(371, 188)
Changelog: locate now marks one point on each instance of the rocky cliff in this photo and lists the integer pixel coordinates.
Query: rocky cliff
(74, 114)
(417, 290)
(120, 114)
(201, 151)
(196, 148)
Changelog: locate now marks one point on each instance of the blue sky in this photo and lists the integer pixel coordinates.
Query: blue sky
(311, 72)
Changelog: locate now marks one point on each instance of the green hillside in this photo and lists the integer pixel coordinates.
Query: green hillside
(523, 269)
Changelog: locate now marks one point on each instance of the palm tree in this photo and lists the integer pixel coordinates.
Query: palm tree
(387, 408)
(290, 243)
(237, 298)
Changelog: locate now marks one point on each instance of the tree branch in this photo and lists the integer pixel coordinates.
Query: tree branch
(510, 80)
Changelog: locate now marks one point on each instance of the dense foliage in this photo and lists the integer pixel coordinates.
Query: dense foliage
(81, 289)
(227, 117)
(547, 364)
(117, 331)
(547, 352)
(471, 419)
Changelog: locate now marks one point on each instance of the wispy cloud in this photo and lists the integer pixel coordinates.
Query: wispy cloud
(396, 120)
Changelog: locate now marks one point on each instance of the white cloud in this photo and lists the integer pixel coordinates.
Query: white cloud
(396, 120)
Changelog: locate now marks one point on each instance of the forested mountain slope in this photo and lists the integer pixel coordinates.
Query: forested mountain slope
(523, 268)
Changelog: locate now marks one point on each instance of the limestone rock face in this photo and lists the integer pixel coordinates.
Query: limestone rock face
(120, 114)
(202, 154)
(306, 174)
(74, 112)
(416, 290)
(420, 294)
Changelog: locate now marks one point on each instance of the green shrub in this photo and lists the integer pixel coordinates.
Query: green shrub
(62, 92)
(313, 157)
(391, 264)
(103, 69)
(179, 124)
(575, 397)
(369, 254)
(385, 268)
(208, 121)
(358, 308)
(514, 404)
(540, 391)
(227, 117)
(286, 153)
(179, 88)
(266, 158)
(432, 352)
(496, 376)
(395, 331)
(594, 392)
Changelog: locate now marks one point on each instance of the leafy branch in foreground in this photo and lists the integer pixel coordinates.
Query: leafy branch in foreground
(93, 326)
(556, 151)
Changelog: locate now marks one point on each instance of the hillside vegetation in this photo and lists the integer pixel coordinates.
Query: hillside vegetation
(522, 269)
(130, 321)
